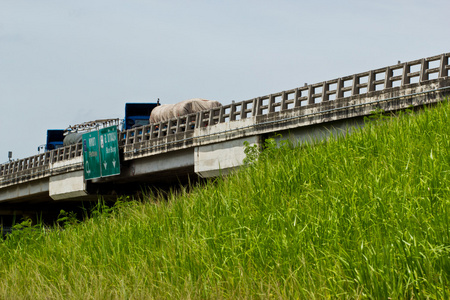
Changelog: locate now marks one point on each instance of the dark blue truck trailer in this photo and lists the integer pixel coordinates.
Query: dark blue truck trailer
(137, 114)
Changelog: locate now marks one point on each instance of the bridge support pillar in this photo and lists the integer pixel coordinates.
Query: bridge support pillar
(67, 186)
(220, 159)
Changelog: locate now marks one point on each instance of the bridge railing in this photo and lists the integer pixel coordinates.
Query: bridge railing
(38, 165)
(399, 75)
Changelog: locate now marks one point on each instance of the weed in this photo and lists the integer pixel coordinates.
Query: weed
(360, 216)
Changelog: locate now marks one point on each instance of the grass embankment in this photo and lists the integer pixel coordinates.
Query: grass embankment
(355, 217)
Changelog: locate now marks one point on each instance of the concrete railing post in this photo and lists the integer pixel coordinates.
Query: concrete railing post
(258, 106)
(271, 102)
(442, 68)
(177, 130)
(211, 117)
(355, 82)
(79, 150)
(423, 70)
(297, 94)
(197, 120)
(283, 101)
(370, 80)
(160, 129)
(310, 95)
(202, 117)
(325, 96)
(339, 86)
(406, 71)
(221, 113)
(152, 126)
(243, 109)
(387, 78)
(254, 107)
(232, 112)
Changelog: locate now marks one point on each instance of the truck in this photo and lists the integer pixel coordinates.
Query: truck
(136, 114)
(55, 139)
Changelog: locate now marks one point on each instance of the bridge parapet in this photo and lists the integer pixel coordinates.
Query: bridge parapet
(314, 97)
(185, 131)
(38, 166)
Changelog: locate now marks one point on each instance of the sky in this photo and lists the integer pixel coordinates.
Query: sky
(67, 62)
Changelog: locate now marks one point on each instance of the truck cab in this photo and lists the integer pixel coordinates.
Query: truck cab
(55, 139)
(137, 114)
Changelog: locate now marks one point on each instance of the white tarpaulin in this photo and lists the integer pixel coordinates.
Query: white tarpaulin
(168, 111)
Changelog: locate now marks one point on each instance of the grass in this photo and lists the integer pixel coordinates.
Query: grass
(362, 216)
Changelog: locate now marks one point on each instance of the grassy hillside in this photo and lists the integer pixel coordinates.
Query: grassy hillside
(366, 216)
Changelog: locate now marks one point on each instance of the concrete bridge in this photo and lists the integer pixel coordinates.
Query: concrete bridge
(210, 143)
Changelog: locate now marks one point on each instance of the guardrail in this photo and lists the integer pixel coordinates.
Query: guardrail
(379, 80)
(37, 166)
(400, 75)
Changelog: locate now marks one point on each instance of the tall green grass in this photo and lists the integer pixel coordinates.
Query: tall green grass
(362, 216)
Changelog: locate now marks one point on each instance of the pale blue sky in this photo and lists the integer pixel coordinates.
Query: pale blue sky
(67, 62)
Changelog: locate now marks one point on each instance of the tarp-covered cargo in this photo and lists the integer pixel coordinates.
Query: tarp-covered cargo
(168, 111)
(73, 138)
